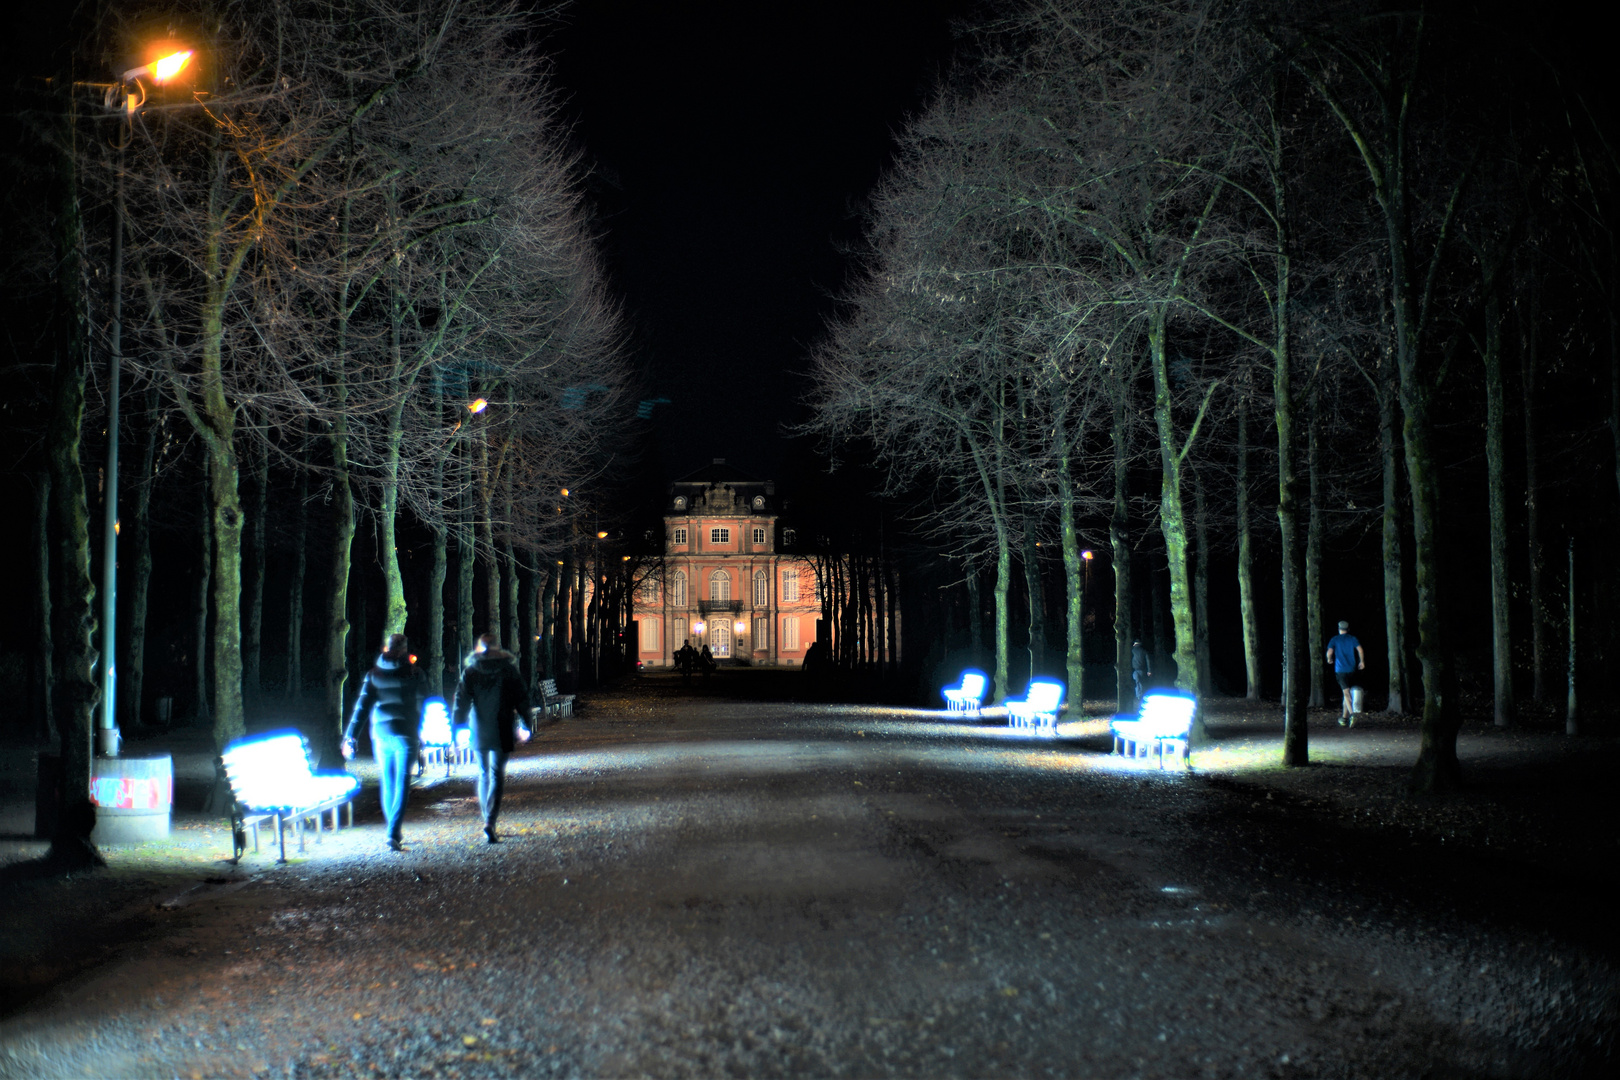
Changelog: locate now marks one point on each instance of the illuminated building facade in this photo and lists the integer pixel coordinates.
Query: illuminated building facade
(725, 582)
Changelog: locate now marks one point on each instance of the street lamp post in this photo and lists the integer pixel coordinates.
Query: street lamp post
(129, 95)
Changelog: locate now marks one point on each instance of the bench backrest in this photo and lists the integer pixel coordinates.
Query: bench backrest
(548, 688)
(1044, 695)
(1169, 715)
(262, 770)
(973, 683)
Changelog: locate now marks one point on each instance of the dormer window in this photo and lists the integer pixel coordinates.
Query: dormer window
(789, 537)
(759, 502)
(680, 502)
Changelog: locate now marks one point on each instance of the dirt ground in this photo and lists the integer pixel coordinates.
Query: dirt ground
(702, 881)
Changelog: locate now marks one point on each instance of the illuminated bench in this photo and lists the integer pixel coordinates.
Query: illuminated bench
(439, 745)
(553, 703)
(968, 694)
(1164, 724)
(271, 780)
(1039, 709)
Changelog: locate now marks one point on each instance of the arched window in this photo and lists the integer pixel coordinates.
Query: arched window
(762, 590)
(720, 585)
(677, 589)
(649, 589)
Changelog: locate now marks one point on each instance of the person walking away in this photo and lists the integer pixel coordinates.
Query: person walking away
(1344, 652)
(683, 660)
(1141, 669)
(706, 659)
(391, 698)
(492, 692)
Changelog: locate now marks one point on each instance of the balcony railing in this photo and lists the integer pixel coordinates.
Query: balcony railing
(709, 607)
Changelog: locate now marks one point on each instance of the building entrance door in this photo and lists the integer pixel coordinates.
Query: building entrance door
(720, 640)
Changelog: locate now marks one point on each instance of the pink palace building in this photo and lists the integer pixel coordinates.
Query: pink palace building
(724, 583)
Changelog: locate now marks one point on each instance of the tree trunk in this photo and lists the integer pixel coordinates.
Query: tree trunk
(528, 594)
(295, 589)
(1496, 484)
(1572, 716)
(1395, 636)
(437, 573)
(1172, 516)
(547, 667)
(395, 612)
(74, 693)
(45, 724)
(1206, 675)
(1540, 640)
(334, 677)
(1296, 651)
(1074, 579)
(1003, 612)
(132, 671)
(466, 566)
(253, 624)
(1245, 542)
(1313, 565)
(1120, 551)
(201, 713)
(1037, 604)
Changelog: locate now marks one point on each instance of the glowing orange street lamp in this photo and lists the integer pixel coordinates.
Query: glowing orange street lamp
(478, 406)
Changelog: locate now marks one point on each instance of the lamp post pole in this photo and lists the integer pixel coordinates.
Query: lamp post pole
(107, 738)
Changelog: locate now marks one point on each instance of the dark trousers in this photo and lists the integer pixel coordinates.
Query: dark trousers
(491, 782)
(394, 753)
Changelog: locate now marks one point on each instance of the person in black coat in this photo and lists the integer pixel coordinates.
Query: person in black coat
(391, 697)
(492, 691)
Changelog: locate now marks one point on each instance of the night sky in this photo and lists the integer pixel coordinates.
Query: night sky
(732, 149)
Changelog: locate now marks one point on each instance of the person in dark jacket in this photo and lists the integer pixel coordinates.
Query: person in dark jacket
(391, 697)
(492, 691)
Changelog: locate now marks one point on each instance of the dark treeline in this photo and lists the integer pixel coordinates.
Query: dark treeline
(372, 379)
(1323, 300)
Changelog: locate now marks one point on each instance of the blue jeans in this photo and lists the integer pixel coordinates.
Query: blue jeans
(491, 782)
(393, 753)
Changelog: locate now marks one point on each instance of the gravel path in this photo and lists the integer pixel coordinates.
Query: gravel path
(702, 887)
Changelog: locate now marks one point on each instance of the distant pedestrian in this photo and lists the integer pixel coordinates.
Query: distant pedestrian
(1344, 652)
(684, 658)
(706, 658)
(391, 698)
(1141, 669)
(492, 692)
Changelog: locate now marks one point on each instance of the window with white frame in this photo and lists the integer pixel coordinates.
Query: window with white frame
(759, 536)
(790, 586)
(649, 635)
(677, 589)
(789, 537)
(678, 536)
(720, 585)
(790, 633)
(762, 590)
(719, 536)
(650, 589)
(678, 634)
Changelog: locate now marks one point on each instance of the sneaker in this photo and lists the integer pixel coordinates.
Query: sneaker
(489, 834)
(1341, 721)
(1352, 721)
(396, 845)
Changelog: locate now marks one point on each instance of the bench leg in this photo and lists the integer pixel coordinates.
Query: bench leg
(281, 837)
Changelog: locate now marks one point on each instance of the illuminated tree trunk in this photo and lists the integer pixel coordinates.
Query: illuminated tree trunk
(1206, 675)
(1172, 515)
(295, 589)
(1037, 605)
(1245, 543)
(1496, 485)
(1313, 567)
(205, 564)
(1396, 647)
(975, 604)
(1074, 577)
(335, 673)
(1120, 550)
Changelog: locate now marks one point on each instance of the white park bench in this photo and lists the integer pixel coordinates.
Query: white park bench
(1162, 727)
(1039, 707)
(553, 703)
(272, 780)
(968, 694)
(439, 745)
